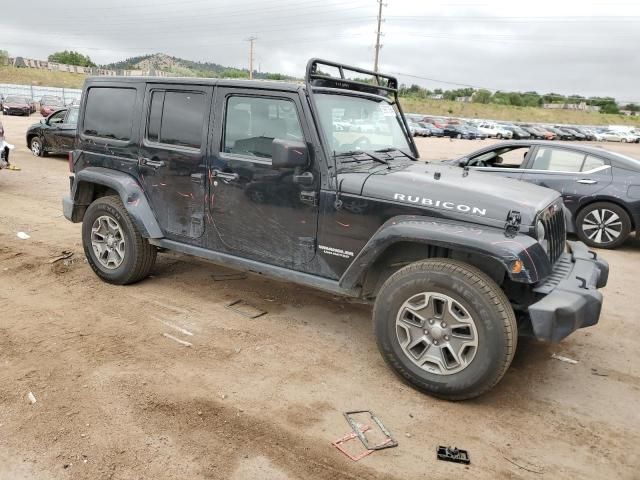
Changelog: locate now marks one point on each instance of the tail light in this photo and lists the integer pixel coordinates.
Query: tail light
(70, 158)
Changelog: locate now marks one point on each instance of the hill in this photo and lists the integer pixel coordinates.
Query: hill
(187, 68)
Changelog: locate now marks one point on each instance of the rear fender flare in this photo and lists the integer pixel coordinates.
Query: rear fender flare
(458, 236)
(131, 194)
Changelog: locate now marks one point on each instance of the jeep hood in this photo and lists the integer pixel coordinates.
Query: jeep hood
(450, 191)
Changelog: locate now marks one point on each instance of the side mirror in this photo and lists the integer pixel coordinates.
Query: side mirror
(288, 154)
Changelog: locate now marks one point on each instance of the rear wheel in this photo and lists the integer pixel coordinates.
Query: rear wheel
(113, 246)
(446, 328)
(603, 225)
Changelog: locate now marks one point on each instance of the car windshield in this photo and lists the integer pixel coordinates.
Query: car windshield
(353, 123)
(16, 100)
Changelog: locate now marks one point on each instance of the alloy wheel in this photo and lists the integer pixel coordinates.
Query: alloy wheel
(107, 241)
(602, 225)
(35, 147)
(436, 333)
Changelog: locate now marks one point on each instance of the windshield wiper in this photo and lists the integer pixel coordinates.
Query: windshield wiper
(392, 149)
(353, 153)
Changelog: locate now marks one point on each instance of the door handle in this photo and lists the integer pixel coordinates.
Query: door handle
(224, 175)
(586, 181)
(147, 162)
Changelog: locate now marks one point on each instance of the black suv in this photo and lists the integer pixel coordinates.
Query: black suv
(259, 176)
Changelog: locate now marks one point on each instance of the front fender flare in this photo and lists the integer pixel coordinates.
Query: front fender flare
(459, 236)
(131, 194)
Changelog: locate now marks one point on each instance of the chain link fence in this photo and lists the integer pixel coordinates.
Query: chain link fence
(37, 92)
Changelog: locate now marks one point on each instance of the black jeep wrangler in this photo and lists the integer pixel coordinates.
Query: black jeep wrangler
(319, 184)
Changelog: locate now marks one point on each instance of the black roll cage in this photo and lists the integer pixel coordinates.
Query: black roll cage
(385, 86)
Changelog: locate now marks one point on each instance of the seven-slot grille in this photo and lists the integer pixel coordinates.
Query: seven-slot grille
(555, 231)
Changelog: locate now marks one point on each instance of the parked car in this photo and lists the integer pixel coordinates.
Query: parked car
(601, 189)
(517, 132)
(458, 131)
(573, 132)
(55, 134)
(49, 104)
(478, 134)
(170, 163)
(588, 135)
(433, 130)
(610, 136)
(420, 130)
(560, 133)
(16, 105)
(494, 130)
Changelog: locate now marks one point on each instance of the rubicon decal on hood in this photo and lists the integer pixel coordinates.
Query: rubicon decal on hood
(428, 202)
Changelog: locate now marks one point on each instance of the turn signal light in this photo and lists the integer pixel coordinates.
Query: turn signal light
(517, 266)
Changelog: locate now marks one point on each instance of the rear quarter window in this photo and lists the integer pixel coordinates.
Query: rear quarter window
(109, 112)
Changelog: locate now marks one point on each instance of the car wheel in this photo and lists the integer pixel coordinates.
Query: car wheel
(446, 328)
(624, 140)
(499, 136)
(113, 246)
(603, 225)
(35, 145)
(459, 136)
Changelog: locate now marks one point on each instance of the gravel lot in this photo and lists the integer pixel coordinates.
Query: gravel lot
(263, 398)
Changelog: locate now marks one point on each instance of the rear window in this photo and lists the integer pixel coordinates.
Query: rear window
(109, 112)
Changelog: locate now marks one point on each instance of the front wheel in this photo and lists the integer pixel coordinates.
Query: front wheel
(603, 225)
(446, 328)
(35, 145)
(113, 246)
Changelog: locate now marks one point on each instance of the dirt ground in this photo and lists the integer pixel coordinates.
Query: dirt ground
(262, 399)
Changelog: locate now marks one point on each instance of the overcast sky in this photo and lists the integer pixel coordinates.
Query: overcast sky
(583, 47)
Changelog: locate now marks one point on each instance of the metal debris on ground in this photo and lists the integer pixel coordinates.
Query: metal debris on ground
(221, 277)
(453, 454)
(564, 359)
(66, 254)
(32, 398)
(245, 309)
(339, 444)
(23, 236)
(387, 443)
(595, 371)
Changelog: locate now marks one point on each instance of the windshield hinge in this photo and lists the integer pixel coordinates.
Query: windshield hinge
(512, 225)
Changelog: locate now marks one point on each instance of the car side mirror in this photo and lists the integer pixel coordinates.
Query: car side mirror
(288, 154)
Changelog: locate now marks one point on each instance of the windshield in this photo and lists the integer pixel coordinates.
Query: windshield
(357, 123)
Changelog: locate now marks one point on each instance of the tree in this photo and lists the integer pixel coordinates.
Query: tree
(632, 107)
(610, 107)
(70, 57)
(482, 96)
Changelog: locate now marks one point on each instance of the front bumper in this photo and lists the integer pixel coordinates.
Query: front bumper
(571, 299)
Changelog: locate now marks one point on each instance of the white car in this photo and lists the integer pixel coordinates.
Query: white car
(610, 136)
(493, 130)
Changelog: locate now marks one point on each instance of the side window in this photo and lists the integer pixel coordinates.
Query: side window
(57, 117)
(558, 160)
(591, 163)
(72, 116)
(109, 112)
(176, 118)
(252, 123)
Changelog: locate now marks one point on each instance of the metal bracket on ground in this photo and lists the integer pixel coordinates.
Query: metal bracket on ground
(388, 443)
(245, 309)
(453, 454)
(350, 436)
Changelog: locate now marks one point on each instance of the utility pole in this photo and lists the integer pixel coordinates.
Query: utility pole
(251, 40)
(378, 35)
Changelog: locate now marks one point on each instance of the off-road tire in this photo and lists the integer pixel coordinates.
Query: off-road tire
(140, 255)
(486, 303)
(624, 219)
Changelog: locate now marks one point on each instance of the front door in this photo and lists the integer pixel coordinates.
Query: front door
(51, 131)
(172, 157)
(257, 211)
(67, 130)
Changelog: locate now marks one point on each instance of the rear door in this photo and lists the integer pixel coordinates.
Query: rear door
(172, 158)
(572, 173)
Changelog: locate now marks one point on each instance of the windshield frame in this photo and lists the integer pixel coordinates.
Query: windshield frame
(403, 122)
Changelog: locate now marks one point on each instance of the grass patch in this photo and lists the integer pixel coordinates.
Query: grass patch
(511, 113)
(44, 78)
